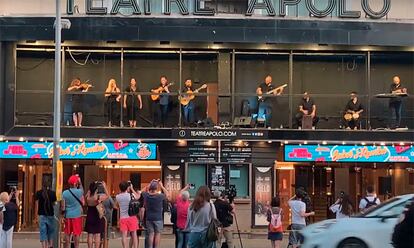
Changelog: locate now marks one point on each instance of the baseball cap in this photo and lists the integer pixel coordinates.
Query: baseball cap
(74, 179)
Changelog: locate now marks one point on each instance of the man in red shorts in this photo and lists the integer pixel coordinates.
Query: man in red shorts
(73, 201)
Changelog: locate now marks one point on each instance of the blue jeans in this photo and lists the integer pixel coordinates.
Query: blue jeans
(198, 240)
(182, 238)
(395, 108)
(47, 227)
(188, 111)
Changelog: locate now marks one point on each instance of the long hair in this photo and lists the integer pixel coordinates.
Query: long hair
(108, 90)
(203, 195)
(75, 81)
(45, 195)
(346, 205)
(92, 188)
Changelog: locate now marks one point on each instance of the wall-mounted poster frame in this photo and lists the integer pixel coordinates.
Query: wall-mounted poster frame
(173, 180)
(263, 181)
(234, 175)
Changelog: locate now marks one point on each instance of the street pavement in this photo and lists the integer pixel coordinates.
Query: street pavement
(165, 243)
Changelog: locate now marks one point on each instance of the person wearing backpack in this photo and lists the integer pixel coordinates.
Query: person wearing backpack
(128, 221)
(200, 216)
(370, 200)
(274, 217)
(72, 205)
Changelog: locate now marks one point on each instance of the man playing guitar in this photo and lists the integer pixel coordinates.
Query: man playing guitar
(353, 111)
(396, 102)
(187, 101)
(161, 102)
(265, 103)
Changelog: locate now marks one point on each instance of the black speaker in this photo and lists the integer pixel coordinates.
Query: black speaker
(384, 185)
(243, 121)
(135, 179)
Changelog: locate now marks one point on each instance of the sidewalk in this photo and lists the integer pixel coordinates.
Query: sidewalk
(168, 242)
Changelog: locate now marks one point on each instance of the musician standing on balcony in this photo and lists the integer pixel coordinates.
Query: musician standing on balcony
(77, 100)
(353, 111)
(307, 106)
(265, 103)
(396, 102)
(161, 104)
(188, 110)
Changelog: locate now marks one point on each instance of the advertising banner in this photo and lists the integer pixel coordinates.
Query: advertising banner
(79, 150)
(262, 194)
(349, 153)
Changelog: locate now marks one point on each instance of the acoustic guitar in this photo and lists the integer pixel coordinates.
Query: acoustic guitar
(351, 116)
(158, 91)
(189, 95)
(270, 92)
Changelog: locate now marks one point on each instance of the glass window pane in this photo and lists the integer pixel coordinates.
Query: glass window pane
(239, 176)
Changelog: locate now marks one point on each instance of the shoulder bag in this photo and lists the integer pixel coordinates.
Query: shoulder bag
(213, 227)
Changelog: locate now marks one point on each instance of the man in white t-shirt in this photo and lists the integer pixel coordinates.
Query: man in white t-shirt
(298, 210)
(369, 201)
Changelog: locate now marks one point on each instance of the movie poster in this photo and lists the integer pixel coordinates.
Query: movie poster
(173, 175)
(218, 177)
(262, 194)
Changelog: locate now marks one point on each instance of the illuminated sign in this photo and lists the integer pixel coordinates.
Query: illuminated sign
(78, 150)
(348, 153)
(198, 7)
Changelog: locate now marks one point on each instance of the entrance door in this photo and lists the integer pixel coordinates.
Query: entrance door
(315, 181)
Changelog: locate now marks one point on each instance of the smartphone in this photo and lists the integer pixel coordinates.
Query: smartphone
(192, 185)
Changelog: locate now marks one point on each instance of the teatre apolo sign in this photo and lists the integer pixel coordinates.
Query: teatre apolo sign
(200, 9)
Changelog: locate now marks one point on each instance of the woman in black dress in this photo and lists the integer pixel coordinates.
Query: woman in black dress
(132, 102)
(113, 98)
(77, 100)
(94, 225)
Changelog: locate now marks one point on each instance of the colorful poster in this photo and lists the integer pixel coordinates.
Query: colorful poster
(218, 178)
(349, 153)
(173, 175)
(78, 150)
(262, 194)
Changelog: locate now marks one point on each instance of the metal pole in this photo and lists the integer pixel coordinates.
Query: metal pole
(56, 110)
(56, 92)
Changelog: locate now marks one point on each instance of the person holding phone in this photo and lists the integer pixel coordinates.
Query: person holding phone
(73, 202)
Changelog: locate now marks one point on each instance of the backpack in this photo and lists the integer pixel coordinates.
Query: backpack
(275, 224)
(134, 206)
(369, 203)
(213, 227)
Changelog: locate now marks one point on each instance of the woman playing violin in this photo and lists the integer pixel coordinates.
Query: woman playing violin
(77, 100)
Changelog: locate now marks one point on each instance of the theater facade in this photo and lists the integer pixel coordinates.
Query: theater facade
(227, 49)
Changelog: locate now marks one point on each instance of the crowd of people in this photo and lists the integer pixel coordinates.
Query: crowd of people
(143, 210)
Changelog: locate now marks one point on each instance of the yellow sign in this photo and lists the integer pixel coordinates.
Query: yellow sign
(59, 180)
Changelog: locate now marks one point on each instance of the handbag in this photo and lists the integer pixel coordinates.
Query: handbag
(101, 210)
(134, 206)
(213, 227)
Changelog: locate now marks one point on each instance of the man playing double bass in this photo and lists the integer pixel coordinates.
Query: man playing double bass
(265, 103)
(353, 111)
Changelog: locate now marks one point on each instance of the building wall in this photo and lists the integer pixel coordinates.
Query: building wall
(400, 9)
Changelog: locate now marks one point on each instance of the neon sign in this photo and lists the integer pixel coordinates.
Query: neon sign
(76, 150)
(332, 153)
